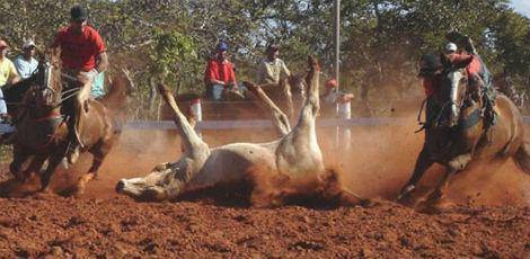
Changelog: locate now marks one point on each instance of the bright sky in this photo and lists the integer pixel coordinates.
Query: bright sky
(522, 6)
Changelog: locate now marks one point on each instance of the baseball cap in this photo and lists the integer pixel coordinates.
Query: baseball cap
(28, 43)
(78, 13)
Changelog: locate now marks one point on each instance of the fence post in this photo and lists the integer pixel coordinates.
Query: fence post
(344, 132)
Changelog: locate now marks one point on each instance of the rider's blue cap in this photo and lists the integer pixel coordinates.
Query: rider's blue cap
(222, 46)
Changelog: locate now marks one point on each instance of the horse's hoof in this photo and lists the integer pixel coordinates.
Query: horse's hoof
(368, 203)
(44, 193)
(79, 192)
(73, 156)
(405, 192)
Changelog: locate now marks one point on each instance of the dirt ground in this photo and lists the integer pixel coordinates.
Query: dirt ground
(490, 220)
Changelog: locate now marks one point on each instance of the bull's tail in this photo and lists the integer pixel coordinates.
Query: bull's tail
(522, 157)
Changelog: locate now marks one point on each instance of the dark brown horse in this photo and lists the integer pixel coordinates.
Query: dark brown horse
(42, 131)
(288, 94)
(457, 137)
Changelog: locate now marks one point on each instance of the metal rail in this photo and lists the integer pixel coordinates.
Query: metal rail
(258, 124)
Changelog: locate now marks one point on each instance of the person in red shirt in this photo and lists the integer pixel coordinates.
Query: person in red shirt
(219, 75)
(430, 71)
(83, 56)
(331, 97)
(479, 78)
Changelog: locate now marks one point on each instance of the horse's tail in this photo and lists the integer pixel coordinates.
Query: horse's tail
(522, 156)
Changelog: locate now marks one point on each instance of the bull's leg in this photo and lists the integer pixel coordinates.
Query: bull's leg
(280, 120)
(287, 97)
(312, 102)
(423, 162)
(193, 144)
(298, 153)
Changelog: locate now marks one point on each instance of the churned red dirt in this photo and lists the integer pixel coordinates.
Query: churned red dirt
(491, 219)
(120, 227)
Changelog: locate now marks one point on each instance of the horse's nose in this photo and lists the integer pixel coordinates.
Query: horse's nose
(120, 186)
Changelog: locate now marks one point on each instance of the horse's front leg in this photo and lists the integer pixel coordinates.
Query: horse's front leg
(430, 203)
(423, 162)
(19, 157)
(435, 198)
(35, 166)
(54, 161)
(99, 156)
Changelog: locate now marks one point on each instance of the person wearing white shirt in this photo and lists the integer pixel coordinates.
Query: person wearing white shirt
(25, 63)
(271, 69)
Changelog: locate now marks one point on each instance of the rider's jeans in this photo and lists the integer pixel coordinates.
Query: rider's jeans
(217, 92)
(3, 106)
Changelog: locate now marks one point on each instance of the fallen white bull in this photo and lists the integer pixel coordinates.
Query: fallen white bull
(292, 165)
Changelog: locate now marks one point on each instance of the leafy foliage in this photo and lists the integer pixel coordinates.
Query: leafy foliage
(381, 39)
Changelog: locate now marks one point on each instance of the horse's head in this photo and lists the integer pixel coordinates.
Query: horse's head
(48, 85)
(453, 90)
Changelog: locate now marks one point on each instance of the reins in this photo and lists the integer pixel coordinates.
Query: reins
(428, 120)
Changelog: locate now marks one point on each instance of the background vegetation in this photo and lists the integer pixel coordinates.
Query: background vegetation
(382, 39)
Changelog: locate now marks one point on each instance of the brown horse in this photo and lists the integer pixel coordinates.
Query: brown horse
(42, 131)
(288, 94)
(457, 137)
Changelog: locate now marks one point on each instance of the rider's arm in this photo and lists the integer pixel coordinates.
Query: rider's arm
(102, 62)
(458, 58)
(232, 78)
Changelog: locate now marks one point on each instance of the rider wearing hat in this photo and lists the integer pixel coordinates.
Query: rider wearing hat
(83, 56)
(430, 69)
(25, 63)
(271, 69)
(8, 75)
(479, 77)
(219, 74)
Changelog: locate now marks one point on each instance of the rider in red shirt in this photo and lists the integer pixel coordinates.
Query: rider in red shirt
(479, 78)
(430, 70)
(219, 74)
(83, 56)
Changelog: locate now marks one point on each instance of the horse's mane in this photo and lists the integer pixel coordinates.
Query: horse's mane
(15, 93)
